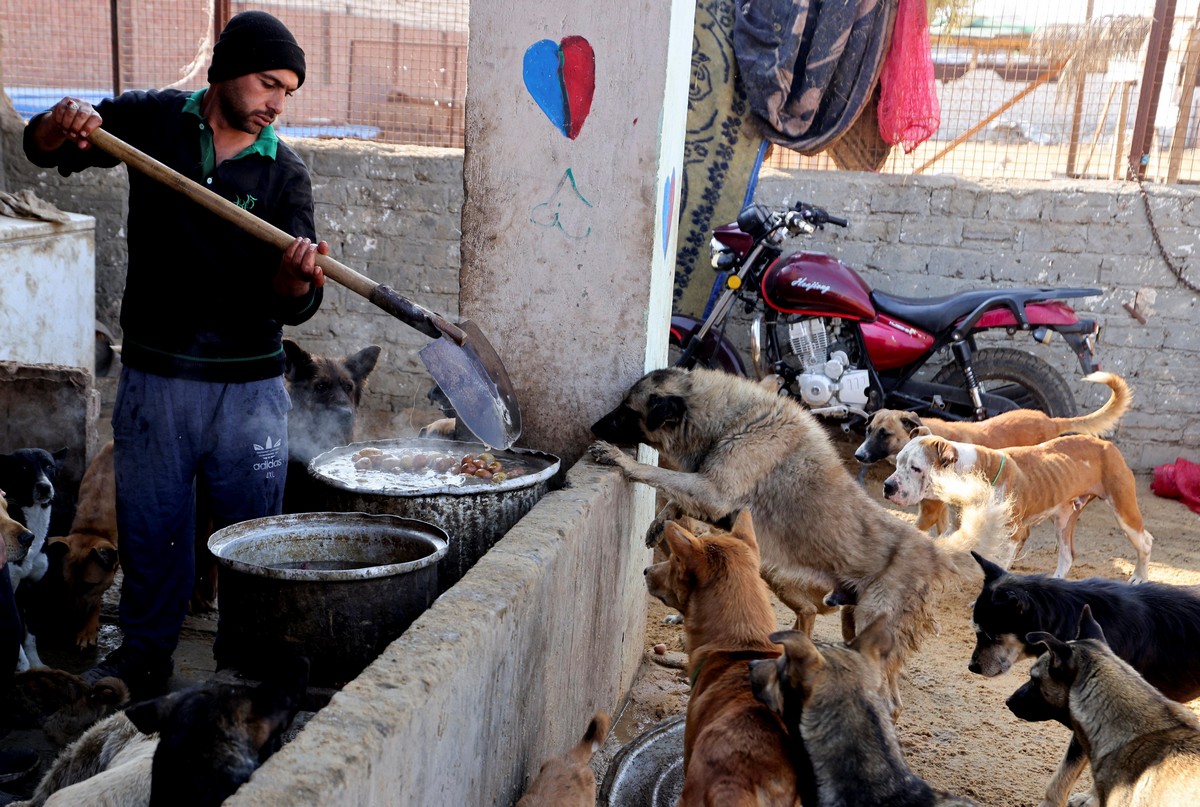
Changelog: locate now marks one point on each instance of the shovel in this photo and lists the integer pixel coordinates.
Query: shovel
(460, 359)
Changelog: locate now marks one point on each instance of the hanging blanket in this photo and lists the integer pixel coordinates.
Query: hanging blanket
(810, 66)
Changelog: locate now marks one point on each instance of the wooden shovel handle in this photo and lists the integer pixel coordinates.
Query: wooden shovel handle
(388, 299)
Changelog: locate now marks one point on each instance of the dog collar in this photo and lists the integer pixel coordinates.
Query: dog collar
(1003, 459)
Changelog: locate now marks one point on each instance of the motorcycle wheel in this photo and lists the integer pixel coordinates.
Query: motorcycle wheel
(675, 350)
(1021, 377)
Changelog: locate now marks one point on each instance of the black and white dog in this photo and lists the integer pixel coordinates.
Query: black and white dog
(28, 476)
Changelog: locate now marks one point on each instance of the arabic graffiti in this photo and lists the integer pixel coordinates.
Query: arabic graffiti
(562, 210)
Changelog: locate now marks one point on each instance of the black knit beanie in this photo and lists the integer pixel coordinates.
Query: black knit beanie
(253, 41)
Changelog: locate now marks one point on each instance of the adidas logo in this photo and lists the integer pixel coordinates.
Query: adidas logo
(268, 454)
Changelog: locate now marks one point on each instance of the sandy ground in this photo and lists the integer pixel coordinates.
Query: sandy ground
(955, 730)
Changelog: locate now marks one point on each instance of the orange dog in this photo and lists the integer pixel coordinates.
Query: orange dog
(1056, 479)
(568, 780)
(87, 557)
(735, 749)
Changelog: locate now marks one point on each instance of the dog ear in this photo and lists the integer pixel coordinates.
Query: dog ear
(107, 557)
(743, 528)
(363, 362)
(663, 410)
(1089, 628)
(680, 542)
(945, 452)
(297, 360)
(919, 431)
(57, 548)
(991, 571)
(912, 424)
(876, 640)
(1014, 597)
(803, 657)
(147, 716)
(1060, 652)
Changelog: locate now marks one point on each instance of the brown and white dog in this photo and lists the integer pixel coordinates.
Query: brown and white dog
(1055, 479)
(65, 603)
(568, 780)
(735, 749)
(889, 430)
(17, 539)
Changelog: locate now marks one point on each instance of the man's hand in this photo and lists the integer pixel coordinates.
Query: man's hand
(298, 268)
(69, 119)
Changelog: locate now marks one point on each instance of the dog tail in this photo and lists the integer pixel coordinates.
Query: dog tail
(593, 738)
(1105, 419)
(984, 520)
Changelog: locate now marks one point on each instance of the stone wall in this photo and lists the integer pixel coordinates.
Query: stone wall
(392, 213)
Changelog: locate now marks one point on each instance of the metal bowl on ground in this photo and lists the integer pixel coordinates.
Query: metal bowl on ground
(475, 513)
(648, 770)
(335, 587)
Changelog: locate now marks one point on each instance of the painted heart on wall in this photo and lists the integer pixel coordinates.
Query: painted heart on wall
(561, 78)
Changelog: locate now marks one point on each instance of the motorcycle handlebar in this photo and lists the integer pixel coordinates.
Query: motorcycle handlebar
(819, 215)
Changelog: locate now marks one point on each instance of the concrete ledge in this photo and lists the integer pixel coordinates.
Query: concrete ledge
(503, 670)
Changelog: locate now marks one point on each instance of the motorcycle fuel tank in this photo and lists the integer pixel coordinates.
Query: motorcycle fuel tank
(815, 284)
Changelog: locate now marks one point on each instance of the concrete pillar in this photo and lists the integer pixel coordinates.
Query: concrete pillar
(575, 125)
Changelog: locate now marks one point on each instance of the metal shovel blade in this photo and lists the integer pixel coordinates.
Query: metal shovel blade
(473, 378)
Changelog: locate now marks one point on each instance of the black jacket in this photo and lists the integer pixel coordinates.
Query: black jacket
(198, 300)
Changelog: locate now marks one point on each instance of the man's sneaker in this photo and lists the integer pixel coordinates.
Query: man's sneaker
(145, 672)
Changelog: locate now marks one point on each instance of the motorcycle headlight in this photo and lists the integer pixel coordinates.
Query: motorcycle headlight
(718, 254)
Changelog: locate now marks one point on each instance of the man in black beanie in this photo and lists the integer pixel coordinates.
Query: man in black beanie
(201, 407)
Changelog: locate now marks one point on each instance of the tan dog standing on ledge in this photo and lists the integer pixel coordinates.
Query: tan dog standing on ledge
(1055, 479)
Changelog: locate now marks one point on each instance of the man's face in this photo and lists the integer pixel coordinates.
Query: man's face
(255, 100)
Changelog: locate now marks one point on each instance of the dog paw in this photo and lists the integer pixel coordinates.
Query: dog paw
(654, 533)
(1083, 800)
(673, 619)
(85, 640)
(604, 453)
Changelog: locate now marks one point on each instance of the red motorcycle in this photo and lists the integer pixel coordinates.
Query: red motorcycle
(844, 349)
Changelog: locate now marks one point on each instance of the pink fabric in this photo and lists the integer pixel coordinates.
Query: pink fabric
(909, 111)
(1178, 480)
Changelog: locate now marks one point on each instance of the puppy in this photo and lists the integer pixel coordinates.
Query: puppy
(731, 444)
(1153, 626)
(568, 781)
(59, 703)
(1055, 479)
(889, 430)
(1144, 748)
(27, 476)
(735, 750)
(193, 747)
(83, 564)
(325, 392)
(829, 697)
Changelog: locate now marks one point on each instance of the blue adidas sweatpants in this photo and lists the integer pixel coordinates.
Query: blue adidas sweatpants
(168, 434)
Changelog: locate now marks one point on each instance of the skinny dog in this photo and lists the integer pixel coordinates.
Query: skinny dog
(1144, 748)
(733, 444)
(735, 750)
(1056, 479)
(829, 697)
(889, 430)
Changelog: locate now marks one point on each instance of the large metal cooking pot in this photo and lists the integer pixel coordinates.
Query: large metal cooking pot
(475, 514)
(335, 587)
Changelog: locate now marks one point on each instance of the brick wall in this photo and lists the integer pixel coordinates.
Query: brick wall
(392, 214)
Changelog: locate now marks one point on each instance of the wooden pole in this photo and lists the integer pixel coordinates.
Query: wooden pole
(1157, 47)
(1187, 89)
(1077, 112)
(967, 135)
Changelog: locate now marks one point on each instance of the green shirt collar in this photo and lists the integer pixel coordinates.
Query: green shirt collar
(265, 144)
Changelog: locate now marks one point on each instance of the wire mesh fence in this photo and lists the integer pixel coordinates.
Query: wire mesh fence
(1055, 90)
(387, 70)
(1025, 90)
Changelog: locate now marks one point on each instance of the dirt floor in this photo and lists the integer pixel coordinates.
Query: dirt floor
(956, 731)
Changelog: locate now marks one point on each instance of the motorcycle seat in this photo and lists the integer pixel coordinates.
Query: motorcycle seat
(938, 314)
